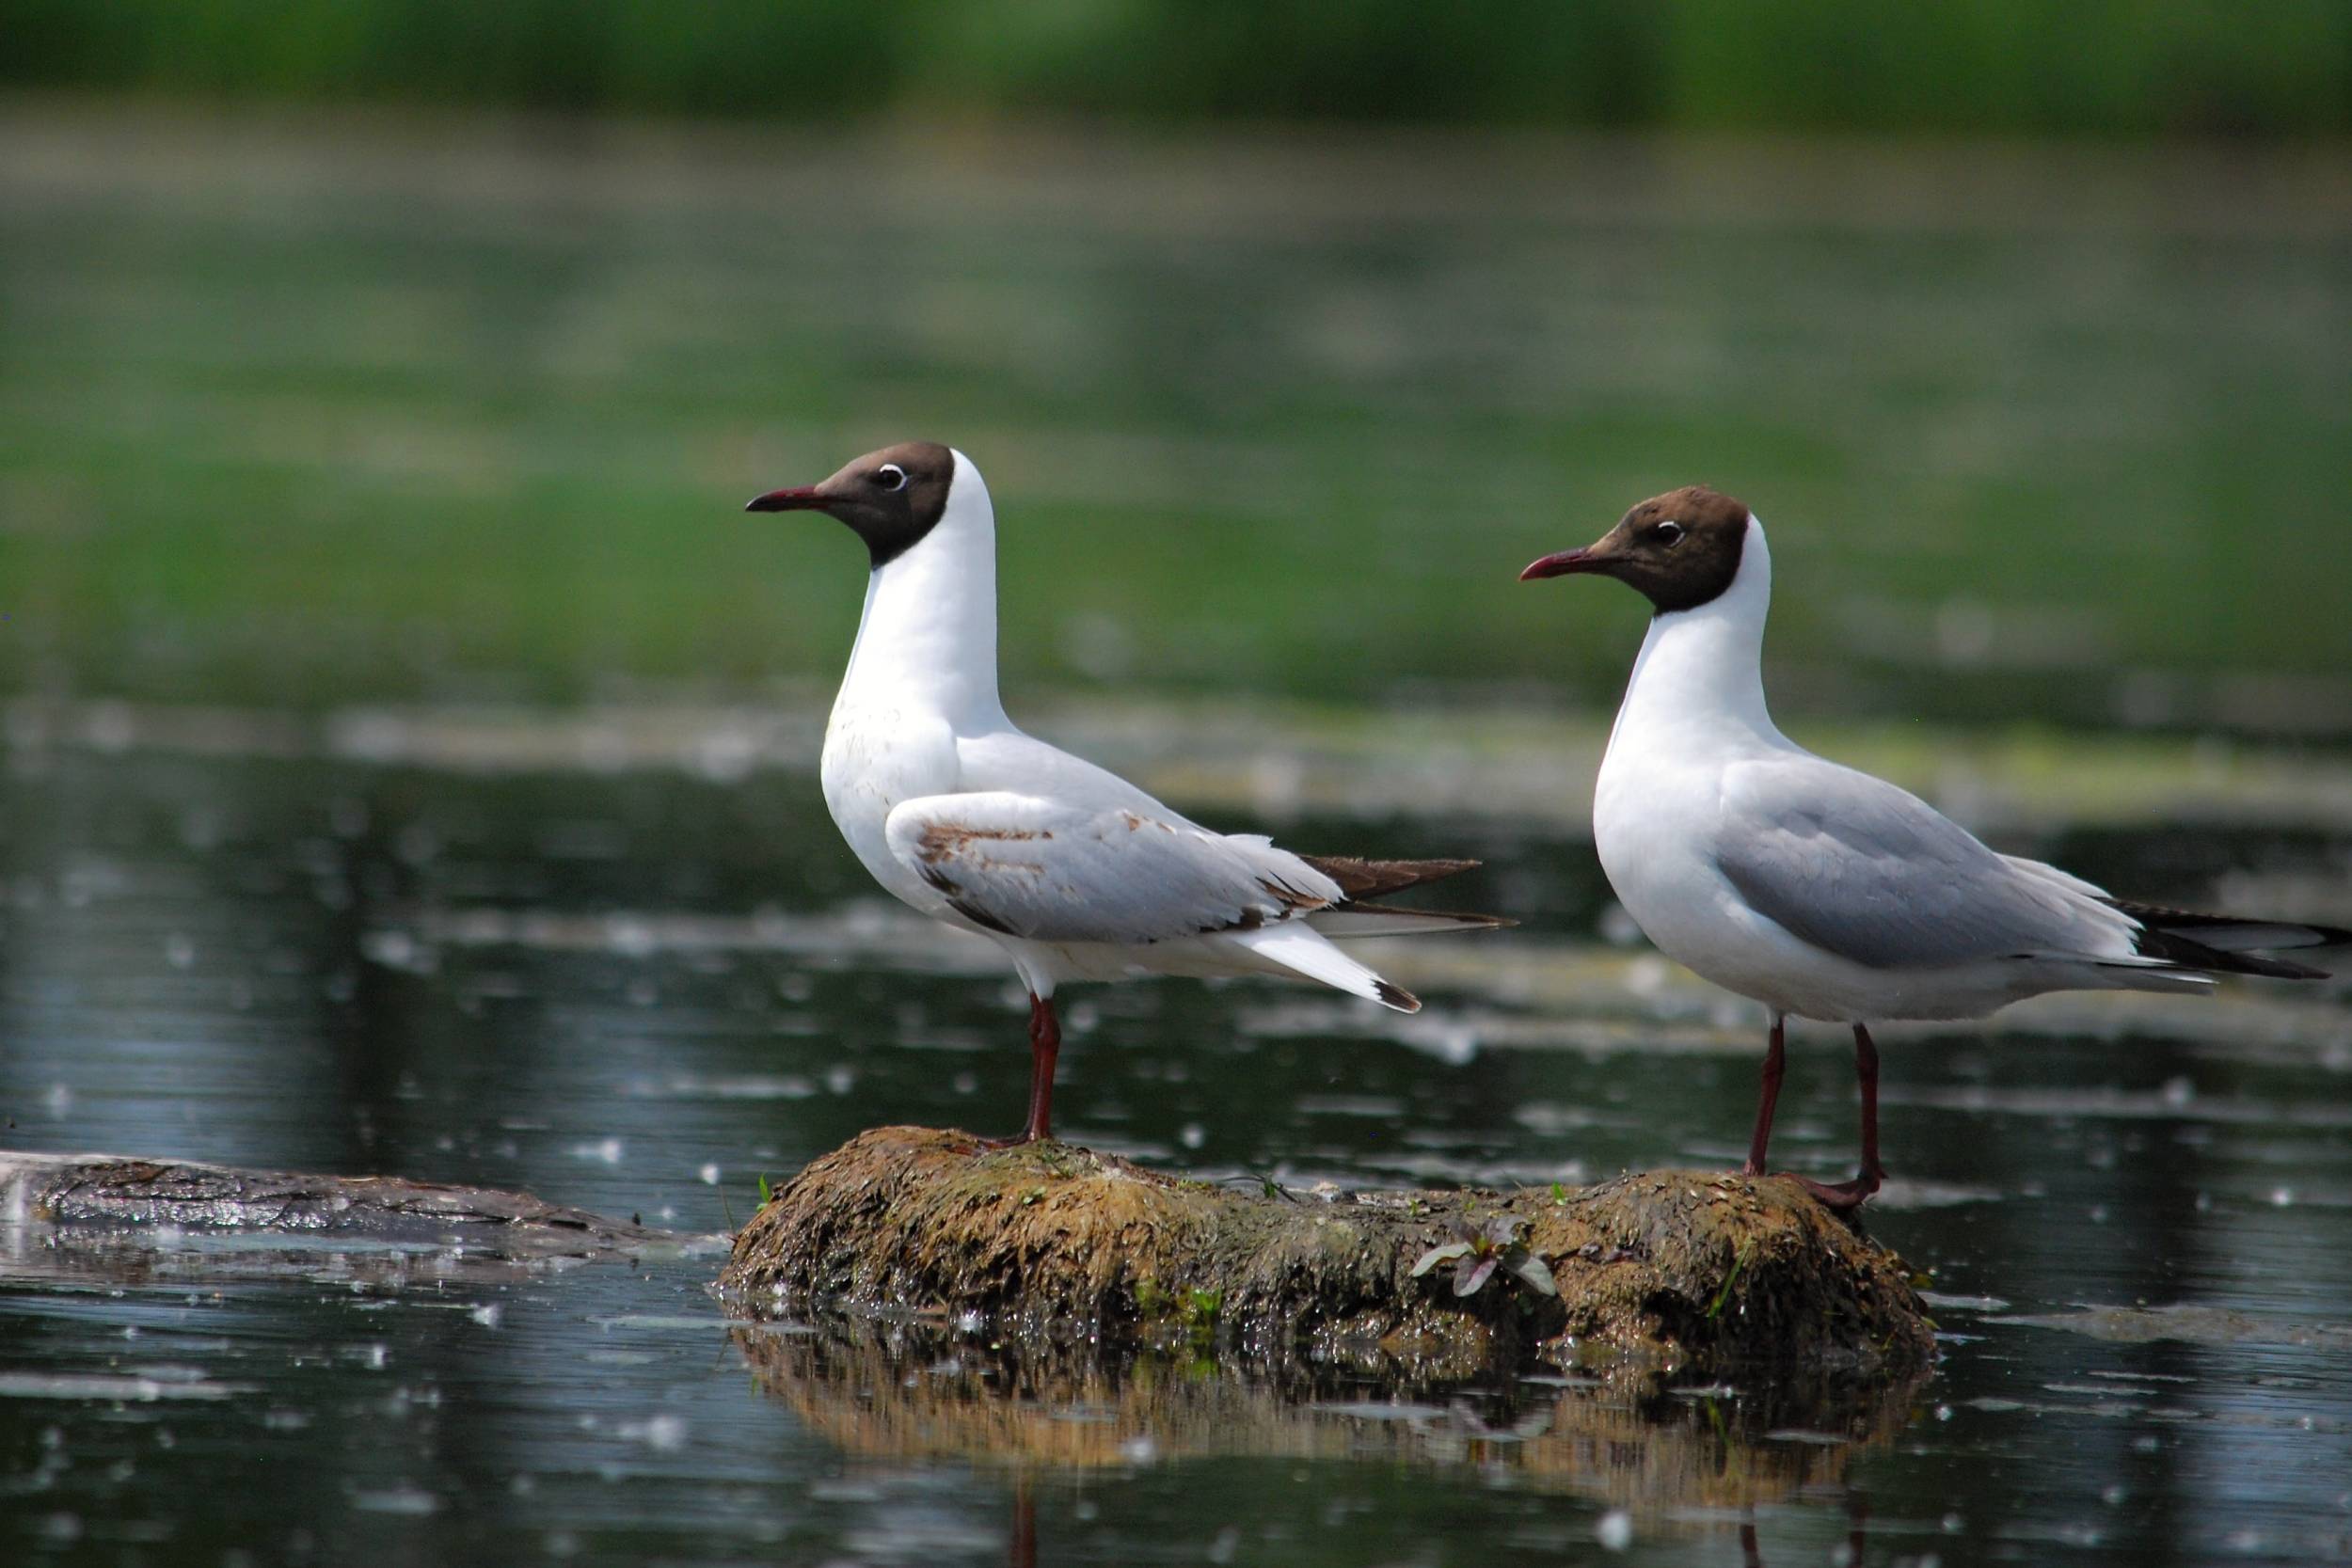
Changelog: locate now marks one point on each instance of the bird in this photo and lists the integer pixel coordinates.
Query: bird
(1075, 873)
(1820, 891)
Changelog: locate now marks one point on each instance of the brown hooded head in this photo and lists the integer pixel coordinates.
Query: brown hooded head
(1681, 549)
(890, 499)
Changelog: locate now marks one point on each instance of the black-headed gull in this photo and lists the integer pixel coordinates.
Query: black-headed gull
(1821, 892)
(1075, 871)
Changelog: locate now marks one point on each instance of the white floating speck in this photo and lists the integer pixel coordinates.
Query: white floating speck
(1615, 1529)
(663, 1433)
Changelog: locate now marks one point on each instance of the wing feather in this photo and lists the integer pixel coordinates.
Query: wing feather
(1875, 875)
(1050, 871)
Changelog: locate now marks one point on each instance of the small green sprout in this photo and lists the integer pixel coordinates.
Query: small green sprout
(766, 1192)
(1715, 1307)
(1559, 1195)
(1484, 1249)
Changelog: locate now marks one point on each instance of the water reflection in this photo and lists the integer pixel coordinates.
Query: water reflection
(638, 990)
(907, 1393)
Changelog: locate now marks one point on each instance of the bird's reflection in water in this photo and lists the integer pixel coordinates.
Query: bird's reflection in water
(1857, 1513)
(1023, 1549)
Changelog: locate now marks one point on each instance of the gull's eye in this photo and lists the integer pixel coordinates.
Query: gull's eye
(891, 477)
(1668, 534)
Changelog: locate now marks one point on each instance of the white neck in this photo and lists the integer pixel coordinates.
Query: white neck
(1699, 681)
(929, 637)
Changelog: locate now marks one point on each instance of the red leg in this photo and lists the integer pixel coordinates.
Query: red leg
(1045, 1047)
(1851, 1194)
(1865, 1067)
(1776, 1065)
(1836, 1195)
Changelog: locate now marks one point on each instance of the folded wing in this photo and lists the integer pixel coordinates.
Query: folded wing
(1875, 875)
(1050, 871)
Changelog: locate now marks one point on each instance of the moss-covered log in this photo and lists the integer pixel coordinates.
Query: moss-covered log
(1673, 1269)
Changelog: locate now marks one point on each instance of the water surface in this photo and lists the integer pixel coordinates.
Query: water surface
(640, 990)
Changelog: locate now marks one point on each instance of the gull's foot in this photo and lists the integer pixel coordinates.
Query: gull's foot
(992, 1146)
(1844, 1197)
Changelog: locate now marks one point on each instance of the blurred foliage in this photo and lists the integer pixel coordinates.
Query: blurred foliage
(310, 408)
(2123, 67)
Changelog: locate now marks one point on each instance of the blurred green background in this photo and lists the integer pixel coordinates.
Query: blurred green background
(409, 350)
(2109, 66)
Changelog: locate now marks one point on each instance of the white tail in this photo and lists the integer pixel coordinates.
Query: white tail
(1294, 947)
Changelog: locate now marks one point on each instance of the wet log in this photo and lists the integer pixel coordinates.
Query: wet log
(1669, 1269)
(112, 1216)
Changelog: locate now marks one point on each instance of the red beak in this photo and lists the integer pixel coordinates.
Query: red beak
(804, 499)
(1560, 565)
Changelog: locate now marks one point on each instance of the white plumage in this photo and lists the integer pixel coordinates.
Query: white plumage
(1822, 892)
(1073, 871)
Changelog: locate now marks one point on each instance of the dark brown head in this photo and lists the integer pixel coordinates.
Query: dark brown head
(890, 498)
(1681, 549)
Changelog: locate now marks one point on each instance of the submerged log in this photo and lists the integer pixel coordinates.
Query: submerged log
(1669, 1269)
(78, 1216)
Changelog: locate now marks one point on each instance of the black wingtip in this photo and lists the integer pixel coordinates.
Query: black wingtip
(1396, 996)
(2172, 935)
(1467, 920)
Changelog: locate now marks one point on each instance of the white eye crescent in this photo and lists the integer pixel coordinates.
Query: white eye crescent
(1668, 533)
(891, 477)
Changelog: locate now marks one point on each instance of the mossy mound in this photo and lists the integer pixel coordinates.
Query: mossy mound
(1669, 1269)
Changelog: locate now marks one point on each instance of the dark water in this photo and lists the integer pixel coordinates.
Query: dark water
(639, 992)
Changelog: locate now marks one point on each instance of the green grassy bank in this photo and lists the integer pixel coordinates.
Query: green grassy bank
(2113, 67)
(314, 410)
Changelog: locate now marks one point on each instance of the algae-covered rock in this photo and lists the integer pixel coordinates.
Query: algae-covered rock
(1667, 1268)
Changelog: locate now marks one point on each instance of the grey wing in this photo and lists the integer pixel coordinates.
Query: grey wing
(1875, 875)
(1052, 871)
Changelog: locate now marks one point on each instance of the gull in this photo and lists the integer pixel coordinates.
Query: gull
(1075, 871)
(1819, 891)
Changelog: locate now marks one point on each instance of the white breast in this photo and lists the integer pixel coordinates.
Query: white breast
(922, 673)
(877, 755)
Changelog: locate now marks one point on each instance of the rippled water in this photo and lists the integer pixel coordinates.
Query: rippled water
(638, 991)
